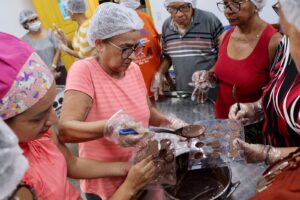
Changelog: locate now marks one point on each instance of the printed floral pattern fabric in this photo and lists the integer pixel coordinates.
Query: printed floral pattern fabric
(31, 84)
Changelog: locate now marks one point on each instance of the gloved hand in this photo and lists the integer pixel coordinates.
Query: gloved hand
(248, 114)
(140, 175)
(157, 85)
(121, 120)
(173, 122)
(256, 153)
(202, 81)
(60, 35)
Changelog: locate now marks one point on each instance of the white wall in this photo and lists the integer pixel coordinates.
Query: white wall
(159, 12)
(9, 16)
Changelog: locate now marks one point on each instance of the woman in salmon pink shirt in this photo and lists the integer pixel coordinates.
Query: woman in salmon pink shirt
(98, 87)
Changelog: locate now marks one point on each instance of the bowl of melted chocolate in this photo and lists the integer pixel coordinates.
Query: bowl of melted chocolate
(200, 184)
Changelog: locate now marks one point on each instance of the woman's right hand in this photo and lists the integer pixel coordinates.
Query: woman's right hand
(140, 175)
(246, 115)
(60, 35)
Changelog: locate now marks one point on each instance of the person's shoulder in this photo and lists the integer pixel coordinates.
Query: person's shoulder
(83, 65)
(167, 22)
(204, 14)
(142, 15)
(134, 66)
(86, 23)
(25, 37)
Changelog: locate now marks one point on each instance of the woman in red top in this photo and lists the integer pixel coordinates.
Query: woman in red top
(282, 179)
(245, 54)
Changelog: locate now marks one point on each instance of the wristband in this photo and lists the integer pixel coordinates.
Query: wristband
(54, 66)
(266, 152)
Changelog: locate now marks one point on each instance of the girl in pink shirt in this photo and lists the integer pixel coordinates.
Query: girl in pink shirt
(27, 91)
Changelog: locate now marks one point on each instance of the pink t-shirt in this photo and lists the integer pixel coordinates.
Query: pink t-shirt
(109, 96)
(47, 172)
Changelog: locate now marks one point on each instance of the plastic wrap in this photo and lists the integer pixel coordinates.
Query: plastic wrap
(163, 150)
(122, 129)
(202, 81)
(215, 148)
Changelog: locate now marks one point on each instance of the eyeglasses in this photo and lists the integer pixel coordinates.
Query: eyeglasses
(276, 8)
(234, 6)
(31, 20)
(127, 51)
(183, 9)
(290, 162)
(24, 192)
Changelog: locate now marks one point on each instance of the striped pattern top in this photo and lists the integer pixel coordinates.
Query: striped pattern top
(281, 101)
(196, 49)
(109, 96)
(80, 42)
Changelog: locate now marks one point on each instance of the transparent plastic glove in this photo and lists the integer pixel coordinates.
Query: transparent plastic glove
(202, 81)
(205, 77)
(248, 114)
(157, 85)
(60, 35)
(120, 120)
(140, 174)
(181, 143)
(173, 122)
(256, 153)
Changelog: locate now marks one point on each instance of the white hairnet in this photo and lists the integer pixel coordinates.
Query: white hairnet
(133, 4)
(76, 6)
(111, 19)
(168, 2)
(291, 11)
(26, 14)
(13, 163)
(260, 4)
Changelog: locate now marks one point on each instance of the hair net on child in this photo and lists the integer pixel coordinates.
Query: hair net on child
(13, 163)
(25, 15)
(260, 4)
(134, 4)
(112, 19)
(291, 11)
(24, 79)
(76, 6)
(168, 2)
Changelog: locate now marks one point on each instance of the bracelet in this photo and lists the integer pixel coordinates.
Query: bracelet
(266, 152)
(54, 66)
(257, 107)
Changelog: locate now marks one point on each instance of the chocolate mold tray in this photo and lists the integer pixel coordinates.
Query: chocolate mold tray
(215, 148)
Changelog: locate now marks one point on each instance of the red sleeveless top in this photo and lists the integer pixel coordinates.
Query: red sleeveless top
(249, 74)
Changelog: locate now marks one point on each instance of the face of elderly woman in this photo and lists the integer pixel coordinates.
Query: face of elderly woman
(238, 12)
(118, 52)
(35, 121)
(294, 35)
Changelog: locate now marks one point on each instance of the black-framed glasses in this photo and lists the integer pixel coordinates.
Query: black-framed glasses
(127, 51)
(233, 6)
(31, 20)
(24, 192)
(183, 9)
(292, 161)
(276, 8)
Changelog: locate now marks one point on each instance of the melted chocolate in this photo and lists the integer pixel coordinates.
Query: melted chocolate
(193, 131)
